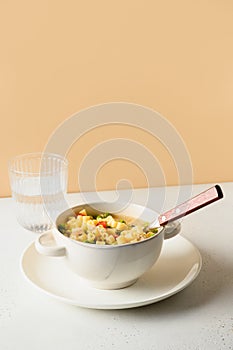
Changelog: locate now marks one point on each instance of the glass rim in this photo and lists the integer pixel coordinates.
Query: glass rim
(35, 155)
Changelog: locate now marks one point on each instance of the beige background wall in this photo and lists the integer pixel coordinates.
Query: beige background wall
(176, 57)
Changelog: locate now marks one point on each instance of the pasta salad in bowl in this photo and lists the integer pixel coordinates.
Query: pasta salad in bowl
(106, 247)
(105, 228)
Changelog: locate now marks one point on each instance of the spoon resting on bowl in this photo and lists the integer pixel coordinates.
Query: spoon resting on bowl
(201, 200)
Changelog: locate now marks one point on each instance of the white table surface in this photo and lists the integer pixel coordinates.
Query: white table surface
(199, 317)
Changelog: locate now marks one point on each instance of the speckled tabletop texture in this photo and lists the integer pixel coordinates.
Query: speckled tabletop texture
(200, 317)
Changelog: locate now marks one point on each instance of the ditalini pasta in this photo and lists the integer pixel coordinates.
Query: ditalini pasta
(105, 229)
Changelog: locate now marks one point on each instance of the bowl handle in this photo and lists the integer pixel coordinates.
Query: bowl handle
(45, 244)
(171, 229)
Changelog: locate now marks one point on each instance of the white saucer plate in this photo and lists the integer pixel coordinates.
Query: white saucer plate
(178, 265)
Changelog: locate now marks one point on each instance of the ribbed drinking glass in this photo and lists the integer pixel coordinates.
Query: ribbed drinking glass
(38, 184)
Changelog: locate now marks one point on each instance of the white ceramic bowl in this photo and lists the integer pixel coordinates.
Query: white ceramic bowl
(106, 266)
